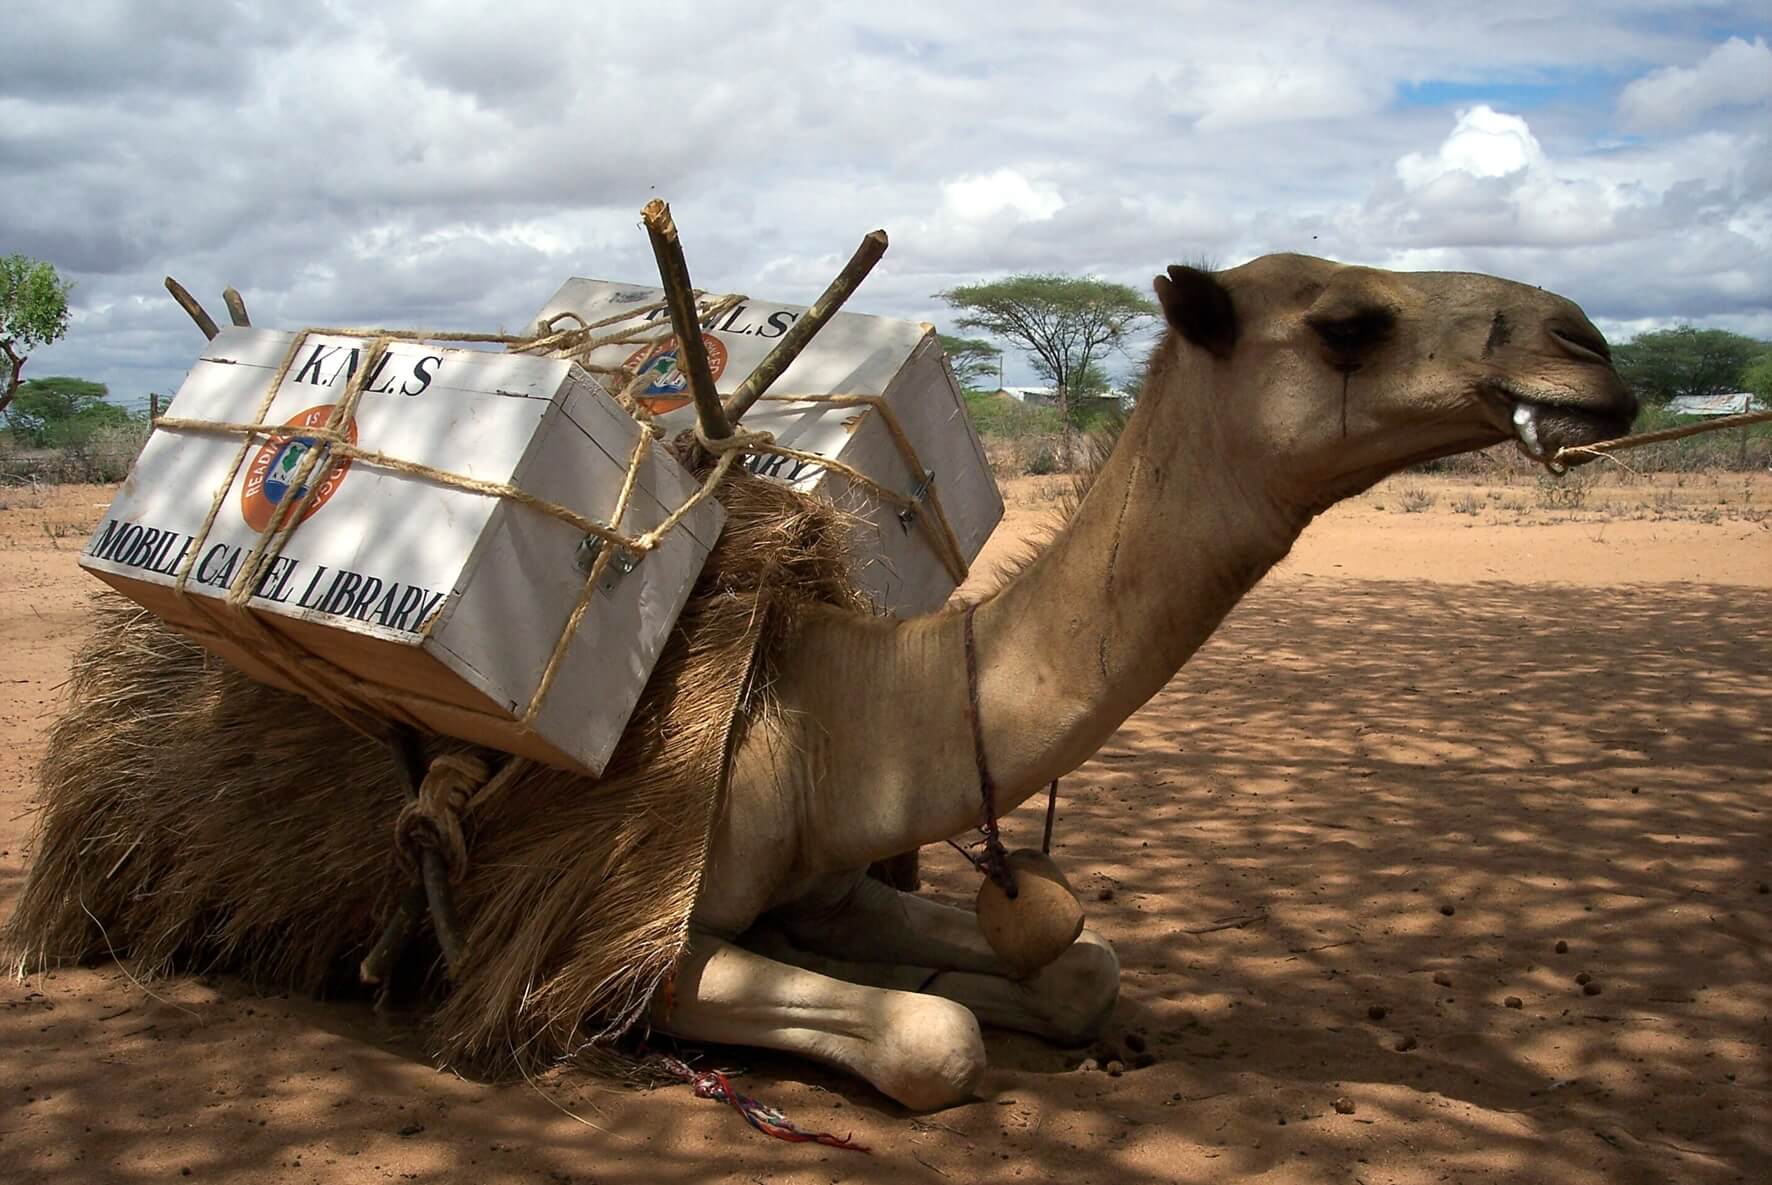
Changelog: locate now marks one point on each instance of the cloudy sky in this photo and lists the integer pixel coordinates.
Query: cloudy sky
(448, 164)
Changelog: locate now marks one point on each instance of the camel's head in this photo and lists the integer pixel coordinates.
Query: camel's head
(1335, 376)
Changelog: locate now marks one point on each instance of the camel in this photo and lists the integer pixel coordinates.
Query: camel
(1278, 388)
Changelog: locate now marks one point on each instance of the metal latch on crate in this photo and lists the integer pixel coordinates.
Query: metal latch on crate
(907, 518)
(620, 564)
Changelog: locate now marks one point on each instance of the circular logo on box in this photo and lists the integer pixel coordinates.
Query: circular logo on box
(667, 388)
(270, 475)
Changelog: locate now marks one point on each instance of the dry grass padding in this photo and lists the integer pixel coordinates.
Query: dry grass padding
(193, 819)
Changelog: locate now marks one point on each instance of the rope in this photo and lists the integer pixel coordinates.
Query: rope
(1638, 441)
(434, 818)
(994, 861)
(360, 704)
(715, 1085)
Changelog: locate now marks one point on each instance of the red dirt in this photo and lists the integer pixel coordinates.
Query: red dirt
(1429, 748)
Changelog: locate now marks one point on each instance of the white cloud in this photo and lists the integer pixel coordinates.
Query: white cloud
(994, 195)
(1490, 182)
(1483, 143)
(1736, 73)
(447, 165)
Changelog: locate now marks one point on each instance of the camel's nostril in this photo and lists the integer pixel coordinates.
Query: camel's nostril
(1582, 343)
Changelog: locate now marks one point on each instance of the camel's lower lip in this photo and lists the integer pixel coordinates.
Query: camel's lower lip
(1544, 431)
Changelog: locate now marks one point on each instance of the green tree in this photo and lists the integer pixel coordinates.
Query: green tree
(59, 412)
(974, 360)
(1666, 363)
(1758, 378)
(1065, 324)
(33, 313)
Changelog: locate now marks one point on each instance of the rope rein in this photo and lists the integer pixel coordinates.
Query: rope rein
(1604, 447)
(994, 860)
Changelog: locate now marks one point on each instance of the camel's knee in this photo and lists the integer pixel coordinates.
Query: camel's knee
(1079, 988)
(930, 1055)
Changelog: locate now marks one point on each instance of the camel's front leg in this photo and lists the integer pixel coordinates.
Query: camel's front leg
(873, 933)
(923, 1051)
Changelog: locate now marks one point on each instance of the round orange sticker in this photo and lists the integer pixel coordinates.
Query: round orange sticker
(270, 475)
(668, 388)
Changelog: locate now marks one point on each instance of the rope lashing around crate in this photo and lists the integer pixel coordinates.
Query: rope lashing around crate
(320, 680)
(1606, 447)
(333, 445)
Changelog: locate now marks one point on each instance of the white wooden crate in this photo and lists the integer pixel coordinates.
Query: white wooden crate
(853, 354)
(448, 601)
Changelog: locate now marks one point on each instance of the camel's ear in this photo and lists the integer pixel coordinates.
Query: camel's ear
(1200, 309)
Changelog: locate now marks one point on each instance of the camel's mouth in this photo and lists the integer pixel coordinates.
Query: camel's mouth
(1544, 427)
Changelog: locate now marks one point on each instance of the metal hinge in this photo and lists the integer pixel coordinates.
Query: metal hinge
(620, 564)
(907, 518)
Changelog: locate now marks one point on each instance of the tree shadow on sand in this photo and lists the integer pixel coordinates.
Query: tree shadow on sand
(1354, 789)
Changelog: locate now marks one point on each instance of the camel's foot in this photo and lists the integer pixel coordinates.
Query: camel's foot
(923, 1051)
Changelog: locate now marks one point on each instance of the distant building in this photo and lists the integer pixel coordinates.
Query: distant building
(1048, 396)
(1732, 404)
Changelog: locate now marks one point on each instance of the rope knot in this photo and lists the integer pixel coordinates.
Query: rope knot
(434, 819)
(741, 440)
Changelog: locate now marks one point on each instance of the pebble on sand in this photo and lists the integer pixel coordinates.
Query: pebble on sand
(1441, 978)
(1088, 1064)
(1405, 1044)
(1562, 947)
(1344, 1106)
(1582, 977)
(1447, 909)
(1514, 1002)
(1376, 1012)
(1116, 1068)
(1591, 988)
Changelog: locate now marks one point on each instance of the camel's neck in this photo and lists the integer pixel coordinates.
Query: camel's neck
(1174, 530)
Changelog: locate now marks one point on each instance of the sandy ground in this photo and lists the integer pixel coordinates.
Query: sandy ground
(1340, 856)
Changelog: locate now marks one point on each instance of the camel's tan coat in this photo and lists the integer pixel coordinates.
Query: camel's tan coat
(1280, 387)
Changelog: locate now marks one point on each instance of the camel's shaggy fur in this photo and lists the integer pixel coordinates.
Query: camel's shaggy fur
(193, 818)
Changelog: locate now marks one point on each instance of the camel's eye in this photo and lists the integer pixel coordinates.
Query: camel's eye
(1355, 332)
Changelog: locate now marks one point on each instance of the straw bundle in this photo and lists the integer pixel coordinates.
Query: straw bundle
(192, 818)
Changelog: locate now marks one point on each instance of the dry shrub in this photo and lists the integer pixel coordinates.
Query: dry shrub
(1413, 498)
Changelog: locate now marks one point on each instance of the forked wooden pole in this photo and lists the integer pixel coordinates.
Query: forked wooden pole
(873, 246)
(189, 304)
(692, 352)
(236, 307)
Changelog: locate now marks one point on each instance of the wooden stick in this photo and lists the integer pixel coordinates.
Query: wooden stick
(1642, 438)
(236, 307)
(189, 304)
(379, 963)
(873, 246)
(692, 352)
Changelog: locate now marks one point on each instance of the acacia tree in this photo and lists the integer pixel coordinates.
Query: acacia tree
(973, 359)
(1666, 363)
(33, 313)
(1066, 324)
(60, 412)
